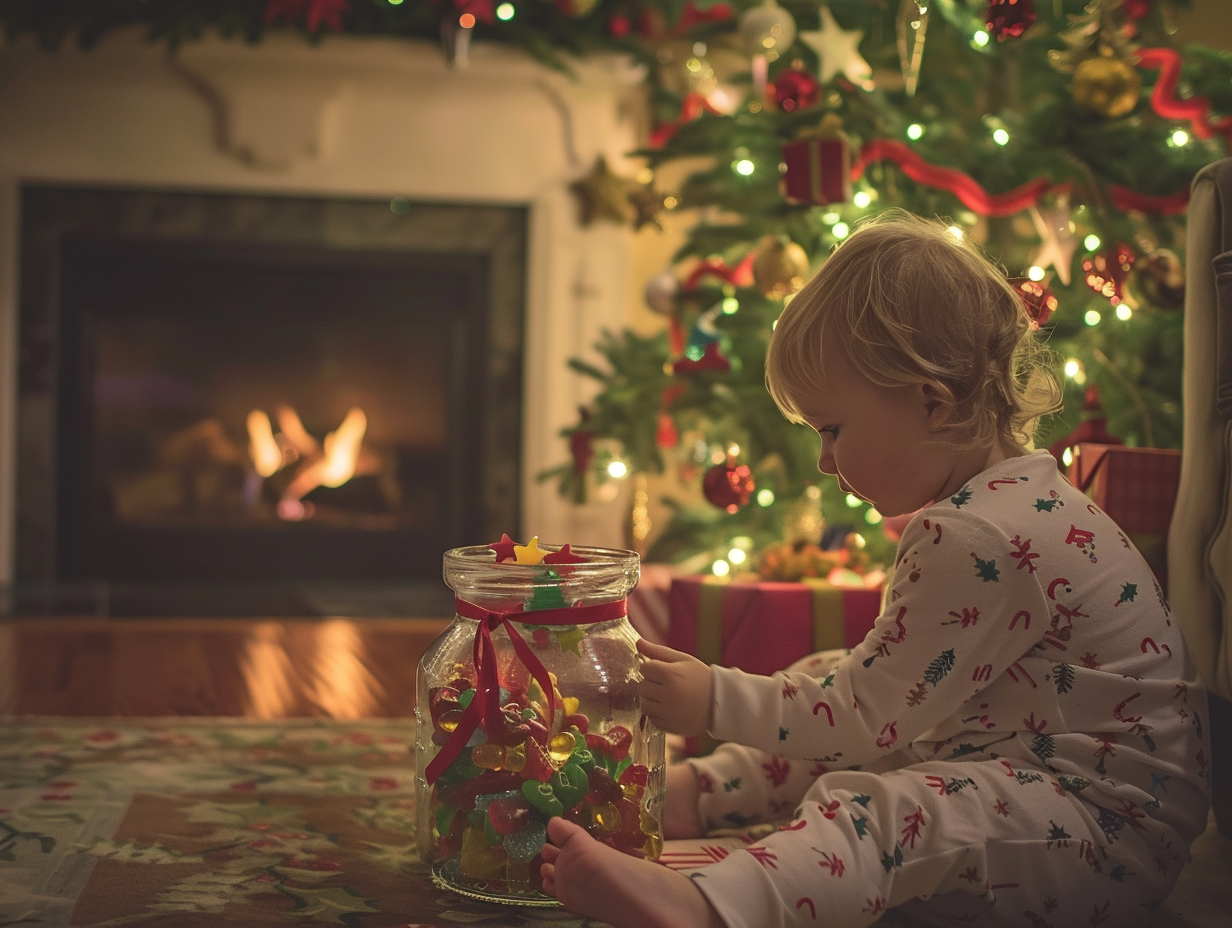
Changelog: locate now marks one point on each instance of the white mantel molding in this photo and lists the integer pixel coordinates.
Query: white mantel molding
(346, 117)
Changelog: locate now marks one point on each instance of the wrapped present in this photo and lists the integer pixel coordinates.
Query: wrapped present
(1137, 488)
(764, 626)
(818, 166)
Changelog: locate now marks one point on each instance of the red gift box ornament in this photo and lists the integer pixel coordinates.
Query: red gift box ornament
(818, 165)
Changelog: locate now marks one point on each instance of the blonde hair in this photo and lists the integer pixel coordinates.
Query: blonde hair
(909, 303)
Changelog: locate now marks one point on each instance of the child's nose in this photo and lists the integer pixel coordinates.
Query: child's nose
(825, 462)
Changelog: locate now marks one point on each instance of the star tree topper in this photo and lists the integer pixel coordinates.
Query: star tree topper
(838, 51)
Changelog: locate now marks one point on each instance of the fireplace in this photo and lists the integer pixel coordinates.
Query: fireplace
(254, 404)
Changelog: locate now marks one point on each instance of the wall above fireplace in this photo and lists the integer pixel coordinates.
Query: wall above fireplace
(348, 119)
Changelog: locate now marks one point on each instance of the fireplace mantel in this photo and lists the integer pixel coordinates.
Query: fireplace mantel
(348, 117)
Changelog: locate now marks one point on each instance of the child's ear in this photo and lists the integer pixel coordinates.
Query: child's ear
(938, 404)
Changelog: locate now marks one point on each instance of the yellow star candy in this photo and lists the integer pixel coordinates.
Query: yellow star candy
(528, 553)
(571, 640)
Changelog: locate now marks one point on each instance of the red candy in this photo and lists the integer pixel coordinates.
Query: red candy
(509, 815)
(603, 788)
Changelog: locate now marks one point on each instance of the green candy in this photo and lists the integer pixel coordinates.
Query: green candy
(542, 797)
(583, 758)
(444, 818)
(570, 784)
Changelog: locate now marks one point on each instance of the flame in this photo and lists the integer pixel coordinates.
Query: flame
(330, 463)
(262, 446)
(342, 449)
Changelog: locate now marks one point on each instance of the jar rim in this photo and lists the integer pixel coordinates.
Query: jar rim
(598, 560)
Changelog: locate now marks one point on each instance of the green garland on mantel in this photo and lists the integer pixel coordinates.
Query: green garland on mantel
(551, 31)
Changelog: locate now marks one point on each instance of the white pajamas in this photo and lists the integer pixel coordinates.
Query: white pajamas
(1017, 741)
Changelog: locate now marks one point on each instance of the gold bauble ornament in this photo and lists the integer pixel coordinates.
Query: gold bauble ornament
(779, 266)
(1106, 85)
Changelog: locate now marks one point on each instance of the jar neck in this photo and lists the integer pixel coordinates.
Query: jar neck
(569, 615)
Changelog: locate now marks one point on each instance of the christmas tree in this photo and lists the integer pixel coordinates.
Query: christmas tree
(1062, 139)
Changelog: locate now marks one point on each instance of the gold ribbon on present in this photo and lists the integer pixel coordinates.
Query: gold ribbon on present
(829, 630)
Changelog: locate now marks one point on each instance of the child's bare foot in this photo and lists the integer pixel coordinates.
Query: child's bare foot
(600, 882)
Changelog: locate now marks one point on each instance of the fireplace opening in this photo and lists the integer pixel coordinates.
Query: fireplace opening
(262, 405)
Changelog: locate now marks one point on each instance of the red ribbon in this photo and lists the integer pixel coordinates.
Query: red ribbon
(739, 276)
(692, 106)
(1164, 100)
(484, 708)
(975, 198)
(963, 186)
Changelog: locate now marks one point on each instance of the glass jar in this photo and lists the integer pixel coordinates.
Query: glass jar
(527, 708)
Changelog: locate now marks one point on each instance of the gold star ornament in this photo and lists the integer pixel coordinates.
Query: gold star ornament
(528, 553)
(603, 195)
(838, 51)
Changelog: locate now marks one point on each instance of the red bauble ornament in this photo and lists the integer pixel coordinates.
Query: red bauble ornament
(1009, 18)
(1039, 302)
(728, 486)
(1107, 272)
(793, 89)
(1135, 10)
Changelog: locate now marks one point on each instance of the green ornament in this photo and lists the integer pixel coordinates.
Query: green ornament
(542, 797)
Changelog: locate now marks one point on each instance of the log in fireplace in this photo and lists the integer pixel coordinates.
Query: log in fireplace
(239, 404)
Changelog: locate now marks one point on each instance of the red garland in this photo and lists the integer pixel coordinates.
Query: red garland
(693, 105)
(978, 200)
(1164, 100)
(971, 194)
(740, 276)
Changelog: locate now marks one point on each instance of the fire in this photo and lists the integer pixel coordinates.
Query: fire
(329, 463)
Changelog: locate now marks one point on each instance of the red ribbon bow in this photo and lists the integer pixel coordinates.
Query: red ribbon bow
(484, 709)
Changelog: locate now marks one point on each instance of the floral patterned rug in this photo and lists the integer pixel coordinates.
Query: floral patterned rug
(212, 822)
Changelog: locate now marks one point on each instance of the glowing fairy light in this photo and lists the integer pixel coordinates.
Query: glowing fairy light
(1035, 272)
(618, 470)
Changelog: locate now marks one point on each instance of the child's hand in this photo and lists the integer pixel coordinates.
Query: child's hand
(675, 690)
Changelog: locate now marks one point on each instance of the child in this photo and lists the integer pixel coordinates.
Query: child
(1018, 741)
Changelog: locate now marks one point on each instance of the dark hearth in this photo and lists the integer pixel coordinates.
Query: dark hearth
(262, 405)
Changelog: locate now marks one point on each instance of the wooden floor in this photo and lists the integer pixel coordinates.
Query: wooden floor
(254, 668)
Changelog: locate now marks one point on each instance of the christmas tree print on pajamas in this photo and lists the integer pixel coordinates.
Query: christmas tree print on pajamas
(1017, 741)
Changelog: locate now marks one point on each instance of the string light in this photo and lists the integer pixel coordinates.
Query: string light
(618, 470)
(1072, 367)
(1123, 312)
(1001, 137)
(956, 232)
(852, 500)
(1091, 242)
(872, 517)
(765, 498)
(915, 131)
(467, 20)
(736, 556)
(980, 38)
(830, 218)
(861, 198)
(1179, 138)
(1067, 457)
(730, 305)
(840, 230)
(744, 167)
(504, 12)
(1035, 272)
(720, 568)
(1092, 317)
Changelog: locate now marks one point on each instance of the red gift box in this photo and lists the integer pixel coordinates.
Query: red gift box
(1137, 488)
(764, 626)
(818, 171)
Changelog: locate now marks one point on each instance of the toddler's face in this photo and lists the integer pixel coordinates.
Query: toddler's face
(881, 442)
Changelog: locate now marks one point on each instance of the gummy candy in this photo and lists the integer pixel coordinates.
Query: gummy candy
(526, 844)
(561, 746)
(542, 797)
(488, 756)
(603, 789)
(479, 860)
(570, 784)
(509, 814)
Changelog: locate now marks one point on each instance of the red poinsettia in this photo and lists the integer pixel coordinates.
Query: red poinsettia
(311, 12)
